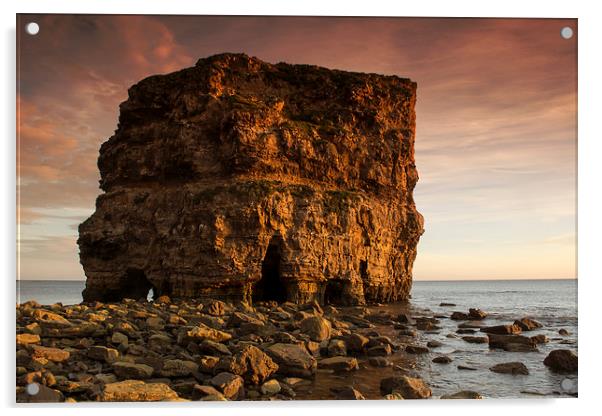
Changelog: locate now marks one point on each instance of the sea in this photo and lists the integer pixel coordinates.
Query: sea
(551, 302)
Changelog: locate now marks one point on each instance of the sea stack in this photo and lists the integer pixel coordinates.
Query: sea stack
(238, 179)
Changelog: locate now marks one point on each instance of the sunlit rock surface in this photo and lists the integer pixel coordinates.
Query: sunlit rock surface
(243, 180)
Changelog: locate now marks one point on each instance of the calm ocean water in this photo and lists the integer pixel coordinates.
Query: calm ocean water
(546, 299)
(552, 302)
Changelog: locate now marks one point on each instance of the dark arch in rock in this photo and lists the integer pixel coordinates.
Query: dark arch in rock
(135, 285)
(334, 292)
(364, 270)
(271, 287)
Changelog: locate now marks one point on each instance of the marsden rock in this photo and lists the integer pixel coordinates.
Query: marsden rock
(237, 179)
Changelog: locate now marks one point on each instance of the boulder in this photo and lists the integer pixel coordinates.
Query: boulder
(251, 363)
(51, 354)
(443, 359)
(476, 340)
(50, 318)
(476, 314)
(208, 363)
(127, 370)
(231, 385)
(426, 326)
(317, 327)
(199, 392)
(41, 377)
(100, 353)
(74, 387)
(118, 338)
(337, 347)
(159, 342)
(510, 368)
(105, 378)
(562, 361)
(214, 348)
(155, 323)
(163, 300)
(313, 347)
(356, 342)
(416, 349)
(137, 391)
(379, 350)
(459, 316)
(238, 318)
(339, 363)
(502, 329)
(292, 360)
(285, 338)
(540, 339)
(74, 330)
(527, 324)
(178, 368)
(270, 387)
(33, 328)
(408, 387)
(464, 394)
(26, 339)
(215, 308)
(512, 343)
(202, 332)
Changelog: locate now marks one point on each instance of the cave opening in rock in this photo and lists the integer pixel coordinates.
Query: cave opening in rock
(333, 292)
(365, 279)
(135, 285)
(271, 287)
(364, 270)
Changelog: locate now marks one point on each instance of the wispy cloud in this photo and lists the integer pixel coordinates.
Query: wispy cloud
(496, 120)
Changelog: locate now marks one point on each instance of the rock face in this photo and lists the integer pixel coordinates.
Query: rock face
(242, 180)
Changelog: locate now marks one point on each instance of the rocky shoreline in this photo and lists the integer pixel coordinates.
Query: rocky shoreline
(182, 350)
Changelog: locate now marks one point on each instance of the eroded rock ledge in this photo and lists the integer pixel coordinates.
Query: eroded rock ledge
(243, 180)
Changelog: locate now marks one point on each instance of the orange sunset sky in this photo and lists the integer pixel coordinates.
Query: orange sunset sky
(496, 124)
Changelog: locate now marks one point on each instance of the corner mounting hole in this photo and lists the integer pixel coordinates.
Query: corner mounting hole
(568, 385)
(566, 32)
(32, 28)
(33, 389)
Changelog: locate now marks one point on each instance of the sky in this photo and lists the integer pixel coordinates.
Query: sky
(495, 139)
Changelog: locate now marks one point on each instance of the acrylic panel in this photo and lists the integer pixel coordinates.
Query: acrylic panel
(295, 208)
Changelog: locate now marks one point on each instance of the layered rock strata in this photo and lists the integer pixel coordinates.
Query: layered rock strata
(244, 180)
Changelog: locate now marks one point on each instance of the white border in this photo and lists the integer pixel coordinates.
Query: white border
(590, 153)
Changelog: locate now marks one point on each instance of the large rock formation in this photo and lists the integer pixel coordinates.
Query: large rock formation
(242, 180)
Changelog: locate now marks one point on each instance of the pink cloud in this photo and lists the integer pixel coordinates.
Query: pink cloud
(496, 112)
